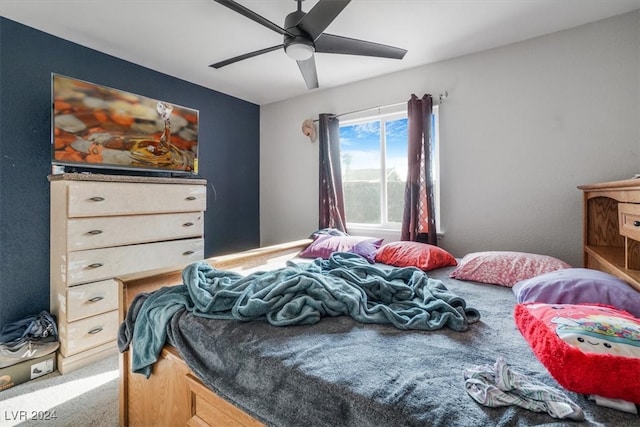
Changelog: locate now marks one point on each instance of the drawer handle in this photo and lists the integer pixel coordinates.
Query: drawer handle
(97, 199)
(95, 299)
(95, 330)
(187, 224)
(191, 198)
(94, 265)
(636, 223)
(187, 253)
(94, 232)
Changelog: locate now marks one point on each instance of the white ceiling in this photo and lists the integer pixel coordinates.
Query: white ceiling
(182, 38)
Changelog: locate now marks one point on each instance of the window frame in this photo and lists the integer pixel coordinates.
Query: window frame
(384, 116)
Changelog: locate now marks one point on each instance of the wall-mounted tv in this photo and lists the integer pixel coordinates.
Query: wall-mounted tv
(94, 126)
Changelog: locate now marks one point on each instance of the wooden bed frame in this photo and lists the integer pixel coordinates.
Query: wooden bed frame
(173, 395)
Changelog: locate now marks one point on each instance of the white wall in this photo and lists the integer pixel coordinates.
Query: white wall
(524, 124)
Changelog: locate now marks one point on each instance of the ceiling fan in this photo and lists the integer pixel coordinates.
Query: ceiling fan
(304, 36)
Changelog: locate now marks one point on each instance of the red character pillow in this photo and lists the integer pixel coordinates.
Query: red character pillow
(589, 349)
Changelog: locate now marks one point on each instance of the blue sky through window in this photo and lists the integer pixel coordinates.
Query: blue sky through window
(360, 145)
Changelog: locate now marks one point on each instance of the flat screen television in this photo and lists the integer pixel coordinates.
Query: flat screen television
(94, 126)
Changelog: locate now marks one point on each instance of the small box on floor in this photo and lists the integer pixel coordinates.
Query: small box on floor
(25, 371)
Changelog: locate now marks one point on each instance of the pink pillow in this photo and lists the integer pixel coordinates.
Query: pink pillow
(505, 268)
(413, 254)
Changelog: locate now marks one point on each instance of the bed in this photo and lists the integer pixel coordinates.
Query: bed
(335, 372)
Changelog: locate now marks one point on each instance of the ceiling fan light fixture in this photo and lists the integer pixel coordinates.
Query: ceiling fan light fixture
(299, 51)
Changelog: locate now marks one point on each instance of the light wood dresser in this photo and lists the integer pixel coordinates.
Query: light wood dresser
(104, 226)
(612, 228)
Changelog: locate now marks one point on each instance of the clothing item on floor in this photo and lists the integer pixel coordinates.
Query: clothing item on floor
(28, 338)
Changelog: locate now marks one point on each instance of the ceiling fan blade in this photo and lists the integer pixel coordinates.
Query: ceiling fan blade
(309, 73)
(236, 7)
(329, 43)
(245, 56)
(320, 16)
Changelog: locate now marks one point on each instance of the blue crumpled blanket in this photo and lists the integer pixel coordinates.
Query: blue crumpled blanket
(298, 294)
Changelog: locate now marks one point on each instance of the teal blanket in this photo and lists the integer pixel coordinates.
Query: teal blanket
(298, 294)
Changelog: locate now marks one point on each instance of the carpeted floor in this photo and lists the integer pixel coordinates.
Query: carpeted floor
(85, 397)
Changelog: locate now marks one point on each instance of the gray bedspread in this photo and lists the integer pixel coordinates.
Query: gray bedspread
(299, 294)
(340, 372)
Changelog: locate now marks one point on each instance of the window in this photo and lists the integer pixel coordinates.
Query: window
(373, 154)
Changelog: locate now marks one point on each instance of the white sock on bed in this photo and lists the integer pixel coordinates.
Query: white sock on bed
(499, 385)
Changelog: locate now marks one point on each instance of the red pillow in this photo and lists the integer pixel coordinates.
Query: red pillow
(588, 348)
(413, 254)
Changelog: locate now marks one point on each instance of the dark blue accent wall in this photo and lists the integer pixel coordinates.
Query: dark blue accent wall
(229, 155)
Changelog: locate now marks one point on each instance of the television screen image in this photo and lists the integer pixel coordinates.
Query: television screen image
(97, 126)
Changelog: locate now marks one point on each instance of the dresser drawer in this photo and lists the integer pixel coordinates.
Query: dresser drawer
(629, 220)
(87, 333)
(91, 299)
(102, 232)
(117, 198)
(98, 264)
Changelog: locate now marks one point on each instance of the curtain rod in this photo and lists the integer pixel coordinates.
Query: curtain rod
(441, 98)
(372, 108)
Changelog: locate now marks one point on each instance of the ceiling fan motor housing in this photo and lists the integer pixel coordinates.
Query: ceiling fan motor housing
(299, 36)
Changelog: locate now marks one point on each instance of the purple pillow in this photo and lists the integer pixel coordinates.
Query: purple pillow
(327, 231)
(325, 245)
(578, 286)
